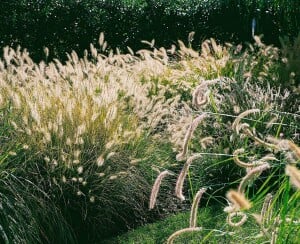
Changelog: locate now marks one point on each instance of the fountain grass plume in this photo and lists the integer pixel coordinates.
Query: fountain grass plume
(295, 149)
(294, 175)
(240, 163)
(201, 93)
(182, 175)
(238, 119)
(180, 232)
(238, 200)
(189, 134)
(248, 132)
(236, 214)
(265, 213)
(194, 209)
(253, 173)
(155, 188)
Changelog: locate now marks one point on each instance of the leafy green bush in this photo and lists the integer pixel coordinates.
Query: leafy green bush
(291, 56)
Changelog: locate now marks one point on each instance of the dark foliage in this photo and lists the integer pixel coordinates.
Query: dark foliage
(65, 25)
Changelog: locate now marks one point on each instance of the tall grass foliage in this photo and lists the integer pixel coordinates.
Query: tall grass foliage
(89, 135)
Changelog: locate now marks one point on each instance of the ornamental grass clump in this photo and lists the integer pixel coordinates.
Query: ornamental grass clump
(90, 132)
(242, 115)
(79, 130)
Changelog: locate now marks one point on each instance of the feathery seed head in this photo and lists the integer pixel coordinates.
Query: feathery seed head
(194, 209)
(182, 176)
(236, 214)
(241, 116)
(92, 199)
(155, 188)
(100, 160)
(253, 173)
(294, 174)
(80, 170)
(182, 231)
(238, 200)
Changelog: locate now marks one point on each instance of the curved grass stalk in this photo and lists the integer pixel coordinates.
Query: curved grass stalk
(248, 132)
(182, 231)
(235, 214)
(253, 173)
(201, 93)
(241, 163)
(182, 176)
(194, 209)
(188, 136)
(265, 212)
(241, 116)
(155, 188)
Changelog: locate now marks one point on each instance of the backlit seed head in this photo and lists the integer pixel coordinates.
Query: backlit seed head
(100, 160)
(64, 179)
(47, 159)
(92, 199)
(238, 200)
(294, 174)
(113, 177)
(77, 153)
(25, 146)
(12, 153)
(80, 170)
(111, 154)
(68, 141)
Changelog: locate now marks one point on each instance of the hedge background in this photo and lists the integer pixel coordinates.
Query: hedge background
(65, 25)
